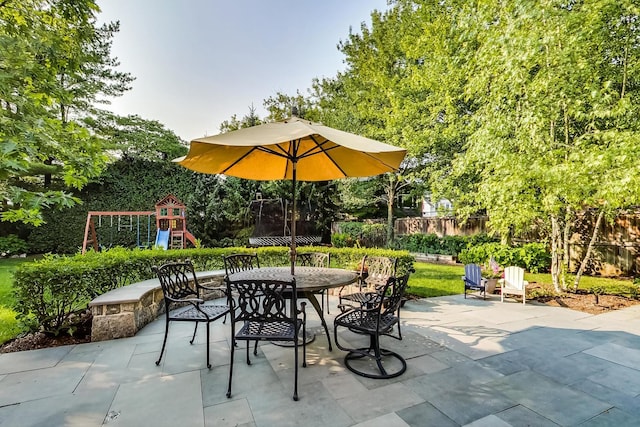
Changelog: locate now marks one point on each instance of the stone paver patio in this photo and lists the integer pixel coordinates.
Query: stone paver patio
(470, 362)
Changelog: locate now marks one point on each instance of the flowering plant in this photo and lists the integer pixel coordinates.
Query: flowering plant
(493, 271)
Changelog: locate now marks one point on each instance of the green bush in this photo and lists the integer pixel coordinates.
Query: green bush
(50, 290)
(533, 257)
(342, 240)
(373, 235)
(353, 229)
(352, 234)
(433, 244)
(12, 245)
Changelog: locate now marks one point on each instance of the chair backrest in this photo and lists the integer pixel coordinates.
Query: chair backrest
(263, 300)
(313, 259)
(394, 290)
(240, 262)
(473, 274)
(178, 280)
(377, 270)
(514, 277)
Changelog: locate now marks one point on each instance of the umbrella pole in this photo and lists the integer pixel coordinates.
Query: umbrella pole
(293, 219)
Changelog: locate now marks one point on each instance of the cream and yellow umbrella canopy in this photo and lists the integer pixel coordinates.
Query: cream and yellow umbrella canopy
(292, 149)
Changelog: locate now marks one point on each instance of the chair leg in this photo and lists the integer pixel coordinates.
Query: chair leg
(164, 342)
(248, 359)
(233, 346)
(295, 371)
(208, 363)
(194, 333)
(304, 346)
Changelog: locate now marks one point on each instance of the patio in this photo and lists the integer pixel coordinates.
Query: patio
(470, 362)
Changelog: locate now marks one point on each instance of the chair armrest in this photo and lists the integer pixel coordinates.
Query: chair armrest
(221, 288)
(194, 301)
(346, 307)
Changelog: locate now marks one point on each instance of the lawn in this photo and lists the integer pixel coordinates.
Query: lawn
(8, 324)
(434, 280)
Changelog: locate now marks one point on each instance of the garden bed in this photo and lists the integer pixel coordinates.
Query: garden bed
(587, 302)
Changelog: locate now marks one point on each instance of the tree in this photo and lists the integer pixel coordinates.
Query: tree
(556, 89)
(137, 138)
(249, 120)
(55, 64)
(368, 98)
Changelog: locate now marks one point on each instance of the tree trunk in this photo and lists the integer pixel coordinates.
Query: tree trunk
(555, 252)
(587, 255)
(390, 199)
(566, 237)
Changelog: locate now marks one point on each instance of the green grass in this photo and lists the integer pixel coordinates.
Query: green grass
(607, 285)
(434, 280)
(8, 324)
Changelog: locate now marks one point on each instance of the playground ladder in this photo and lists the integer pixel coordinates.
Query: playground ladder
(90, 238)
(177, 240)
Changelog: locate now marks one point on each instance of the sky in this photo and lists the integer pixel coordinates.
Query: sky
(198, 62)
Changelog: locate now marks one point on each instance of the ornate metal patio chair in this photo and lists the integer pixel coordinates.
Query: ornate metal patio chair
(235, 263)
(267, 311)
(374, 273)
(514, 283)
(316, 259)
(473, 280)
(240, 262)
(375, 319)
(181, 288)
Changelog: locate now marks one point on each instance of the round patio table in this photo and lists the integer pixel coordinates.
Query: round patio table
(309, 280)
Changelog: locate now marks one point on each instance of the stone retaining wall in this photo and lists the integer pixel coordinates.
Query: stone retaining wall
(122, 312)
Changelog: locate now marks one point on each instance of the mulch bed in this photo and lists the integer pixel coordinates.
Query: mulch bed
(587, 302)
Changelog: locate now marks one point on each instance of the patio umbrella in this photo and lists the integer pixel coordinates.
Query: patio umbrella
(293, 149)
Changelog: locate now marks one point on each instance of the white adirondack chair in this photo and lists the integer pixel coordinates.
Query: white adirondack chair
(513, 283)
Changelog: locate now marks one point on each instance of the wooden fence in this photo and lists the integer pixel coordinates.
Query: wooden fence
(442, 226)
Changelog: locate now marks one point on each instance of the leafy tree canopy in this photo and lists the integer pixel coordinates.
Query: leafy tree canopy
(55, 66)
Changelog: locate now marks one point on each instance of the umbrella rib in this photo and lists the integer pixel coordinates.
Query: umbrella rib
(281, 153)
(238, 160)
(241, 158)
(319, 146)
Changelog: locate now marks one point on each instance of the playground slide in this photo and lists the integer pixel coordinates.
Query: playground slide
(162, 238)
(190, 237)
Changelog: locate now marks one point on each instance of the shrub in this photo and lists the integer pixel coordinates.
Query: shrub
(50, 290)
(373, 235)
(360, 234)
(432, 244)
(12, 245)
(342, 240)
(533, 257)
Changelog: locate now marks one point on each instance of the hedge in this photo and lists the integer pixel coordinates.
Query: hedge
(49, 291)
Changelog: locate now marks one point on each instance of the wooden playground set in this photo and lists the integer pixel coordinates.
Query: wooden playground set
(171, 225)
